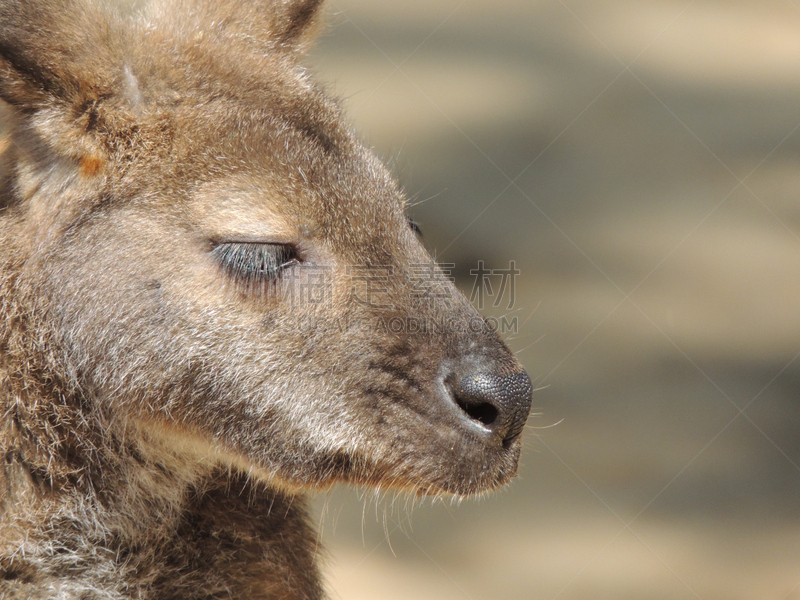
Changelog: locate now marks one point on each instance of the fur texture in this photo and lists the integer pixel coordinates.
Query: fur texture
(187, 338)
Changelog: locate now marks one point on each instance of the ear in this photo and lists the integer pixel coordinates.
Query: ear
(24, 81)
(48, 48)
(297, 21)
(264, 24)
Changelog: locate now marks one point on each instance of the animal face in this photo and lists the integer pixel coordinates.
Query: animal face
(209, 253)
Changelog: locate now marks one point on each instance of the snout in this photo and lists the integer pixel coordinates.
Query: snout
(491, 398)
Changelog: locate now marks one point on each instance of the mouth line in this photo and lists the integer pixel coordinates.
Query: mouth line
(510, 441)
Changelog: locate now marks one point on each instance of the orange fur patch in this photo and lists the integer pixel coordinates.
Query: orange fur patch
(91, 165)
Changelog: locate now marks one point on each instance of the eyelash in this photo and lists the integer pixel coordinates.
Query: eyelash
(251, 262)
(414, 227)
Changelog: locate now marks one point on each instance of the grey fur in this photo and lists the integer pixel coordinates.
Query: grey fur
(160, 419)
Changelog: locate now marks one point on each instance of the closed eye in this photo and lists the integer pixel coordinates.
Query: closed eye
(414, 227)
(251, 262)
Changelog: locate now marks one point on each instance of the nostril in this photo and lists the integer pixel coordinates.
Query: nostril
(500, 403)
(473, 397)
(482, 412)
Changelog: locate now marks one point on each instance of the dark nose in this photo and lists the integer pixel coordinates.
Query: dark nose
(501, 403)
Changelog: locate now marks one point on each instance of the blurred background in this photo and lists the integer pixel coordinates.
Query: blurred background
(639, 161)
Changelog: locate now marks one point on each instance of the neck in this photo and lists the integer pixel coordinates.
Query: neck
(91, 503)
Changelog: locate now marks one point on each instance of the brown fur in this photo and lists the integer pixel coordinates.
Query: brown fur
(160, 417)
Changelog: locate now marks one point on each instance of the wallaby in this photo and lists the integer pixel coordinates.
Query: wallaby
(206, 290)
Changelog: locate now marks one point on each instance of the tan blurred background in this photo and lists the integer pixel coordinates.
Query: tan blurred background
(640, 163)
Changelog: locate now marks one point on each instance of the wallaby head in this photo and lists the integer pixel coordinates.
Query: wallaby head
(198, 256)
